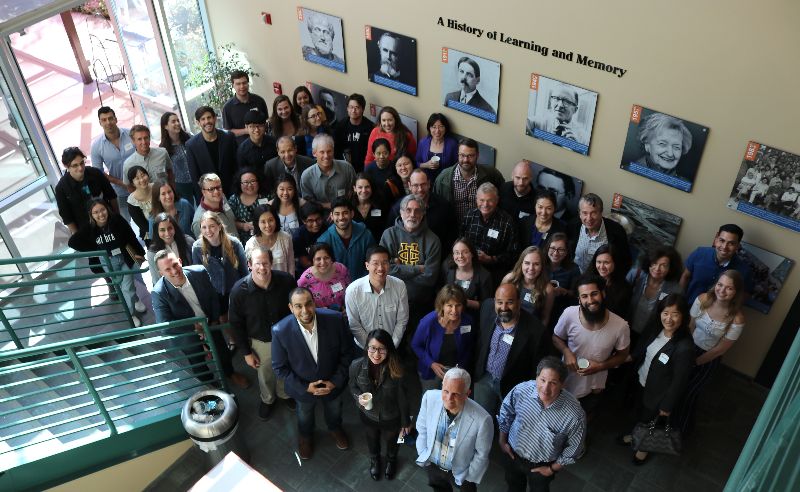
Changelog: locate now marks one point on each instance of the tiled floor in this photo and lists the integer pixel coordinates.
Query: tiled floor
(727, 413)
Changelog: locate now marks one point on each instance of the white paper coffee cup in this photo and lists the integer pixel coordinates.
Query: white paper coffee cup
(435, 159)
(583, 363)
(365, 399)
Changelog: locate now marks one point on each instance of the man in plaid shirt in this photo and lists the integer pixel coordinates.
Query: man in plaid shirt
(491, 230)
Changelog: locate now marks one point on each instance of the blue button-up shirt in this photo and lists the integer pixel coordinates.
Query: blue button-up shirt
(105, 153)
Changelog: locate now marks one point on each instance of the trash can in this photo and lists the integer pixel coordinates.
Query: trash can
(211, 418)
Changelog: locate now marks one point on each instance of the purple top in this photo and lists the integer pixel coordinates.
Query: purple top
(448, 157)
(327, 293)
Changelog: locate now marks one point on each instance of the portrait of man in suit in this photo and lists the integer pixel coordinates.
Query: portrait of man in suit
(468, 77)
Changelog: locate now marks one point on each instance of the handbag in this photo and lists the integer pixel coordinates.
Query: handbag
(650, 437)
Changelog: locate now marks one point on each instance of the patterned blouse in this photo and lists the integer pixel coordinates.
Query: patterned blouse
(329, 292)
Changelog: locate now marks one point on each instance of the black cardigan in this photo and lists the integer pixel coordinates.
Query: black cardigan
(389, 400)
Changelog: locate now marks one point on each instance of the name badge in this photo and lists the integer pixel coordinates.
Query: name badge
(663, 358)
(509, 339)
(337, 287)
(262, 201)
(527, 297)
(116, 251)
(522, 214)
(391, 307)
(375, 212)
(662, 295)
(340, 192)
(128, 146)
(466, 329)
(493, 233)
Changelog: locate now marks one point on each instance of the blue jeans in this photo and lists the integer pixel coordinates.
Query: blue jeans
(305, 415)
(126, 282)
(487, 393)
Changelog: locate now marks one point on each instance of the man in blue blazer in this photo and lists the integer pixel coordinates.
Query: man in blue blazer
(213, 150)
(183, 293)
(455, 435)
(311, 352)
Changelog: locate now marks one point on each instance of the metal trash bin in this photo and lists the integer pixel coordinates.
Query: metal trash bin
(211, 418)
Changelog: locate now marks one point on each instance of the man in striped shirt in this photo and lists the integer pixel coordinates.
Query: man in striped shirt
(542, 428)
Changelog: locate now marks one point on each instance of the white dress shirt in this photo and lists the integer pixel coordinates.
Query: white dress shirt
(311, 338)
(368, 310)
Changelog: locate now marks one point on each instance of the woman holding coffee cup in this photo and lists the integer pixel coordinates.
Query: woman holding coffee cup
(439, 150)
(377, 387)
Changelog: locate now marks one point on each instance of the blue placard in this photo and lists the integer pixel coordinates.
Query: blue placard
(750, 209)
(393, 84)
(666, 179)
(561, 141)
(338, 66)
(466, 108)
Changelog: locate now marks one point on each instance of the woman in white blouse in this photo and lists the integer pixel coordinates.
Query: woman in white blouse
(717, 322)
(268, 235)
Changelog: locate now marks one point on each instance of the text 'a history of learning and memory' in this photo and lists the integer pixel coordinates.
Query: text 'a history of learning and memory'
(532, 46)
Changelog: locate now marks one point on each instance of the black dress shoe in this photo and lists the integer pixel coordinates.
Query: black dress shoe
(391, 468)
(374, 468)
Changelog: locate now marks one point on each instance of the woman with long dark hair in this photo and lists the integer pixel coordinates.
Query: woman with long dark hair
(287, 203)
(380, 374)
(529, 275)
(283, 121)
(173, 138)
(110, 232)
(169, 235)
(166, 200)
(390, 127)
(605, 263)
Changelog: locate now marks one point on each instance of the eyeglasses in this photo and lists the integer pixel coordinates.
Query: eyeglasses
(213, 189)
(252, 181)
(557, 250)
(562, 101)
(376, 350)
(314, 116)
(466, 156)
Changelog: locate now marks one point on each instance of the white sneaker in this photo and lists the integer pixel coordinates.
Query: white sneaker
(136, 321)
(139, 307)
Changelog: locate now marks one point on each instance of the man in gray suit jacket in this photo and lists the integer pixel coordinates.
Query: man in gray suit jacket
(455, 435)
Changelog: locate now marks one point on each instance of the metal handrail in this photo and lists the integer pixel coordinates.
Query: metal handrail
(94, 387)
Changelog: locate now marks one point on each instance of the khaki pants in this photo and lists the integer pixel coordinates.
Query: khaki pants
(268, 384)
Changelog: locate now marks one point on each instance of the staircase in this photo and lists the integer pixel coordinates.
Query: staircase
(79, 388)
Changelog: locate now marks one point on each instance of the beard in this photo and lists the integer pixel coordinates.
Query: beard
(594, 316)
(505, 316)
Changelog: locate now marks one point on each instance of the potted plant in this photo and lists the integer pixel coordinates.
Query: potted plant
(214, 72)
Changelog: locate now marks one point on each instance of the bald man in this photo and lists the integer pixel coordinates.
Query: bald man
(510, 344)
(517, 195)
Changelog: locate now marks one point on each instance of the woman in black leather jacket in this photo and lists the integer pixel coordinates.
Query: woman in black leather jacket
(380, 373)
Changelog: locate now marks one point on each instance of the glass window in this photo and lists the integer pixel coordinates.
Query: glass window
(16, 161)
(35, 226)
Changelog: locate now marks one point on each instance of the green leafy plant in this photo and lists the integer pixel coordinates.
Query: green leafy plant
(215, 69)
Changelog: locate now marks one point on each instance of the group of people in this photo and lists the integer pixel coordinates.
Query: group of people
(349, 259)
(772, 183)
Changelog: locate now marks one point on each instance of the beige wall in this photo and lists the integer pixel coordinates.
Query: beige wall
(132, 475)
(729, 65)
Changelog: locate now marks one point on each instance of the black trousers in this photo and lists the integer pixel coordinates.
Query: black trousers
(443, 481)
(519, 475)
(375, 434)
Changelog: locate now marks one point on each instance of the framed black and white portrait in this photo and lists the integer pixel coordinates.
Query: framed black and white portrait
(767, 186)
(321, 38)
(470, 84)
(391, 59)
(561, 113)
(663, 148)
